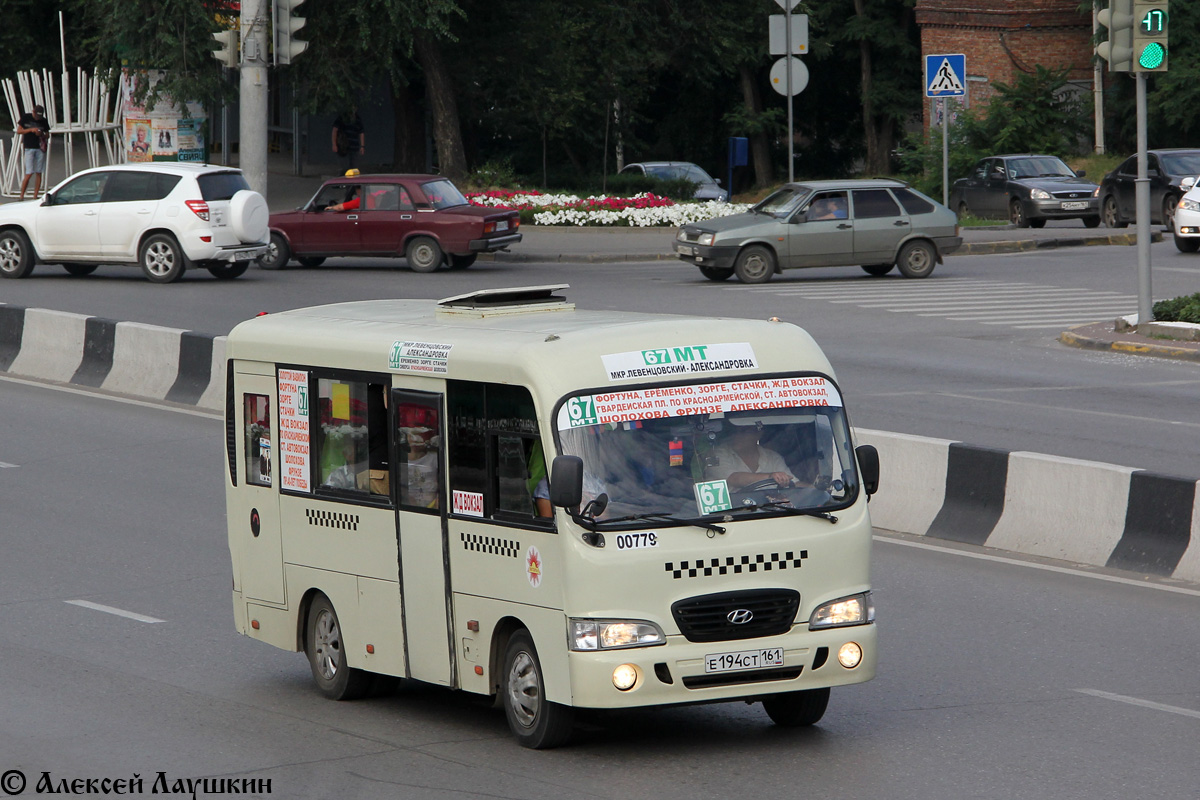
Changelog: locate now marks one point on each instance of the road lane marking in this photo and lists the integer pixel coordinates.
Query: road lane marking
(5, 465)
(1036, 565)
(110, 610)
(1137, 701)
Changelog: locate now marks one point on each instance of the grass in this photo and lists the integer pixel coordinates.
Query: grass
(970, 221)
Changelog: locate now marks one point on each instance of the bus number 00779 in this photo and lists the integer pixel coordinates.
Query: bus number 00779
(635, 541)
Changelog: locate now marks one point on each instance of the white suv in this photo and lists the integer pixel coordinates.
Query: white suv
(164, 217)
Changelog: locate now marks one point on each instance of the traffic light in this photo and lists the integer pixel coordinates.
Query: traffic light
(227, 47)
(1150, 35)
(287, 47)
(1118, 50)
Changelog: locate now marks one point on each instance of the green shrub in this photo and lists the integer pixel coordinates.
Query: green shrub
(498, 174)
(628, 184)
(1180, 309)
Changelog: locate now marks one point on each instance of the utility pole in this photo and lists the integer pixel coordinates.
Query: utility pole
(252, 122)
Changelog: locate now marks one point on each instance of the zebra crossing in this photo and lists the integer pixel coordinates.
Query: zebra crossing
(1027, 306)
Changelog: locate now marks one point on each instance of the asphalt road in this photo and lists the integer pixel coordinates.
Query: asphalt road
(999, 678)
(969, 354)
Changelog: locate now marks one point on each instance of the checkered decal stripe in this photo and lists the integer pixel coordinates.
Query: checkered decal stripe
(732, 565)
(331, 519)
(491, 544)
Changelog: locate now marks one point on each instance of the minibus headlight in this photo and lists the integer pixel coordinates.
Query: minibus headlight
(613, 634)
(854, 610)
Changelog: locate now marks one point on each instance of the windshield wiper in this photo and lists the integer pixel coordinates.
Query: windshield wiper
(671, 520)
(785, 505)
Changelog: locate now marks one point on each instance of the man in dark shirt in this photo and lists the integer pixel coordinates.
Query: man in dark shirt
(349, 137)
(35, 132)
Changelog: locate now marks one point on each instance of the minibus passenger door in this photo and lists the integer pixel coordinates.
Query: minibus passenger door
(421, 529)
(254, 511)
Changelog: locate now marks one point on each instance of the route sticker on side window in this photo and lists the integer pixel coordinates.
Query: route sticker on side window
(424, 357)
(469, 504)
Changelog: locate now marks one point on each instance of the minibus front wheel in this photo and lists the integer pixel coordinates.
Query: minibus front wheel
(534, 720)
(327, 654)
(797, 709)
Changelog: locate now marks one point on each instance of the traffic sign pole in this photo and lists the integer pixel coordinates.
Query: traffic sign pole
(787, 11)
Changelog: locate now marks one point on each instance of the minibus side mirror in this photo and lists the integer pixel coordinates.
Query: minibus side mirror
(868, 467)
(566, 482)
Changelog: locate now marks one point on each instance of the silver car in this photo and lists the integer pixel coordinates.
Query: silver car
(877, 224)
(707, 187)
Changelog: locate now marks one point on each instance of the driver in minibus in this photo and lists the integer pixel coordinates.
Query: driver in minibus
(741, 461)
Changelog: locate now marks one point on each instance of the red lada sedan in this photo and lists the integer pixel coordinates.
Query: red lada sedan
(423, 218)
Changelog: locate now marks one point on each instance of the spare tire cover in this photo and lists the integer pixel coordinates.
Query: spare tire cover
(248, 216)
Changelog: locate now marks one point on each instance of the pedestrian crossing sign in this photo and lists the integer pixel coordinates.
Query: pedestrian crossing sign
(946, 75)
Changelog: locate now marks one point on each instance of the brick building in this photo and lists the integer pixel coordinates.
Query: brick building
(1003, 38)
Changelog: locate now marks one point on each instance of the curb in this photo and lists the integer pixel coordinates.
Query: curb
(1085, 512)
(1072, 339)
(970, 249)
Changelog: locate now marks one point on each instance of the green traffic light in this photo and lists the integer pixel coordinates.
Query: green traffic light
(1152, 56)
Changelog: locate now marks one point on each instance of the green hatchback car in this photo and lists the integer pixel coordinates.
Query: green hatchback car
(876, 224)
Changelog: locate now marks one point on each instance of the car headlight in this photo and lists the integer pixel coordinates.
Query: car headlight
(1096, 192)
(612, 634)
(682, 235)
(1040, 194)
(854, 610)
(706, 239)
(1189, 205)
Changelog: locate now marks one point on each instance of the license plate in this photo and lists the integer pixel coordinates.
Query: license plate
(685, 250)
(743, 659)
(1074, 206)
(502, 225)
(244, 255)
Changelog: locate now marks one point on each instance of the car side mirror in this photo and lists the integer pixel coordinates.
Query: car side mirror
(718, 180)
(47, 199)
(1080, 173)
(1187, 183)
(868, 467)
(566, 482)
(1151, 172)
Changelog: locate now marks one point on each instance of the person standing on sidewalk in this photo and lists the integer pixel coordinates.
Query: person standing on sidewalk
(349, 137)
(35, 133)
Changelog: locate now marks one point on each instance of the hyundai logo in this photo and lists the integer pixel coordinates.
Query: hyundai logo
(740, 616)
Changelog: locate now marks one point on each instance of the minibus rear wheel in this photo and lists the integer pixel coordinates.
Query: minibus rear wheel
(534, 720)
(797, 709)
(326, 653)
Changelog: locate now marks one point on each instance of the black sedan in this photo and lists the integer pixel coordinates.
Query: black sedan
(1027, 190)
(1165, 168)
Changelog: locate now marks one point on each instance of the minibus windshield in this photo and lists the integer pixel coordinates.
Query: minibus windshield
(755, 447)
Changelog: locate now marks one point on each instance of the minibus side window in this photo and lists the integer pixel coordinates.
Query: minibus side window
(351, 436)
(494, 448)
(258, 439)
(418, 444)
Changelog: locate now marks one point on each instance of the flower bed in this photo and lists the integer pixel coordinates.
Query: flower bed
(639, 211)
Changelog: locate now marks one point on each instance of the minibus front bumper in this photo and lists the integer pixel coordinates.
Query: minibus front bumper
(675, 673)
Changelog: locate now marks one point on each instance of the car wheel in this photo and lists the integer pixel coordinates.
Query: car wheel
(327, 654)
(797, 709)
(1170, 203)
(1186, 244)
(311, 261)
(878, 270)
(755, 264)
(963, 211)
(79, 270)
(534, 720)
(1016, 214)
(277, 254)
(1092, 222)
(227, 270)
(423, 254)
(1037, 223)
(462, 262)
(1112, 217)
(162, 259)
(16, 254)
(917, 259)
(716, 273)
